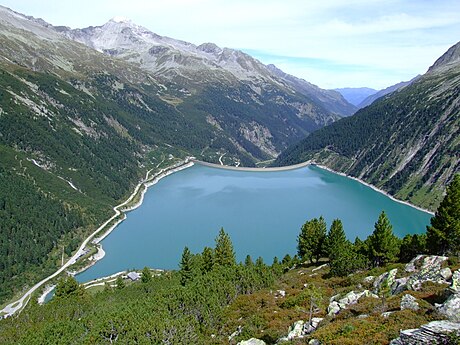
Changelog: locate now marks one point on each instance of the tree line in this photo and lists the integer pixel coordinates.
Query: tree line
(382, 246)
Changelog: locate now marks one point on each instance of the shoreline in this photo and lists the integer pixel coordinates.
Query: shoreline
(372, 187)
(19, 304)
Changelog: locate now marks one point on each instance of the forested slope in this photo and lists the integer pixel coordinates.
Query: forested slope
(407, 143)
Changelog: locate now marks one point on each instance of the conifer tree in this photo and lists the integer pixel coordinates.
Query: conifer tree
(310, 242)
(185, 265)
(443, 235)
(248, 261)
(336, 238)
(383, 244)
(68, 286)
(208, 259)
(146, 275)
(224, 254)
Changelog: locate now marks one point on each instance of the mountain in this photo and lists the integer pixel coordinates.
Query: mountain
(372, 98)
(79, 127)
(197, 66)
(355, 95)
(406, 143)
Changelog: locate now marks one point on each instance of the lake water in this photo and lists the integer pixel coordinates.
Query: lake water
(262, 211)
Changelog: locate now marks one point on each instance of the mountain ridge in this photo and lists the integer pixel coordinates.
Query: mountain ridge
(406, 143)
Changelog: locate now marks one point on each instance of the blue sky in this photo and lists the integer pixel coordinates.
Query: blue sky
(331, 43)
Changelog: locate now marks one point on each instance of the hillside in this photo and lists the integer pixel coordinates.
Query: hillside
(407, 143)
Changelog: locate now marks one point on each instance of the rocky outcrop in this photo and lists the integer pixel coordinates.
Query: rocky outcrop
(300, 329)
(409, 302)
(435, 332)
(252, 341)
(423, 268)
(430, 271)
(455, 286)
(451, 308)
(388, 277)
(335, 306)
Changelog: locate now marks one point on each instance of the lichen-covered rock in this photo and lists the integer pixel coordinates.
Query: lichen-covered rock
(313, 325)
(369, 279)
(350, 298)
(333, 308)
(429, 271)
(451, 308)
(409, 302)
(389, 277)
(314, 342)
(435, 332)
(399, 285)
(296, 330)
(446, 273)
(455, 285)
(252, 341)
(387, 314)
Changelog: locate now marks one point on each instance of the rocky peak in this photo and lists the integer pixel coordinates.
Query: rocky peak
(449, 58)
(210, 48)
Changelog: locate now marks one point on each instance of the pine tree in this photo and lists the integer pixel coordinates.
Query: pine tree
(248, 261)
(208, 259)
(185, 265)
(443, 235)
(224, 254)
(68, 286)
(383, 244)
(335, 238)
(146, 275)
(310, 242)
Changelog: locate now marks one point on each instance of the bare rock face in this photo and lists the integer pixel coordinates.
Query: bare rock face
(435, 332)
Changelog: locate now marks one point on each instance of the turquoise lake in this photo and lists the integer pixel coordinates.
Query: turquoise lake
(262, 211)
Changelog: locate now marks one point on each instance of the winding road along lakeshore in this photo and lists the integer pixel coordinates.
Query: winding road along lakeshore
(16, 306)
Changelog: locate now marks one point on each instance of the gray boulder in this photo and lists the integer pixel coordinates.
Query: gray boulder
(435, 332)
(430, 270)
(455, 285)
(389, 277)
(409, 302)
(350, 298)
(252, 341)
(451, 308)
